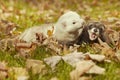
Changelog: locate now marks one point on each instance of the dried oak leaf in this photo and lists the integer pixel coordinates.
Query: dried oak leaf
(3, 71)
(36, 66)
(18, 73)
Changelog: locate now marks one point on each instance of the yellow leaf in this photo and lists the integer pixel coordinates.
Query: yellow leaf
(50, 32)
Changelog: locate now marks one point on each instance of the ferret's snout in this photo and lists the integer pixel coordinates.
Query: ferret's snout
(83, 23)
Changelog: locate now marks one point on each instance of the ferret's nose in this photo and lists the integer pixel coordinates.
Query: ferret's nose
(83, 23)
(95, 30)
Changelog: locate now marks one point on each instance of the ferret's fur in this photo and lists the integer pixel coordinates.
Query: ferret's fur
(66, 30)
(92, 31)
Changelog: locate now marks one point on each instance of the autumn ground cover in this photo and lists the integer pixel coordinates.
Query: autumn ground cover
(22, 14)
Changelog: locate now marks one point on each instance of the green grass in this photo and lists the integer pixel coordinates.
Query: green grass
(30, 18)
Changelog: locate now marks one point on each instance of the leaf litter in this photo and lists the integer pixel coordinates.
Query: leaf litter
(84, 63)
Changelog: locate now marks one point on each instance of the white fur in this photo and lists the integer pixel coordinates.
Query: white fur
(29, 35)
(70, 31)
(64, 29)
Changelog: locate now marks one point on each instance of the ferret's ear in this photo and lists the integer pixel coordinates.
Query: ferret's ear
(64, 24)
(89, 25)
(102, 27)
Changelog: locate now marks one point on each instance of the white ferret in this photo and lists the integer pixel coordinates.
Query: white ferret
(67, 29)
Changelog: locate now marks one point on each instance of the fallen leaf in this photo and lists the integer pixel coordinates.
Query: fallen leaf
(112, 19)
(52, 61)
(18, 73)
(7, 44)
(117, 55)
(24, 48)
(96, 70)
(81, 68)
(96, 57)
(36, 66)
(85, 66)
(53, 45)
(84, 78)
(7, 28)
(106, 49)
(3, 71)
(73, 58)
(54, 78)
(40, 38)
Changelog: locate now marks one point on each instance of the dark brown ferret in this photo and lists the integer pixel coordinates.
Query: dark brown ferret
(92, 31)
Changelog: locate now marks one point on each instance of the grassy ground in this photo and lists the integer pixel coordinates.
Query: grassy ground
(27, 14)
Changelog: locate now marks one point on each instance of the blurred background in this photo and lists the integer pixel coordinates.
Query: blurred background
(27, 13)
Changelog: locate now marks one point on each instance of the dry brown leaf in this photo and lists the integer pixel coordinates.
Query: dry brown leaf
(73, 48)
(54, 78)
(112, 19)
(53, 45)
(40, 38)
(7, 44)
(85, 66)
(52, 61)
(117, 55)
(106, 49)
(36, 66)
(96, 70)
(73, 58)
(118, 43)
(24, 48)
(23, 45)
(7, 27)
(114, 36)
(19, 73)
(84, 78)
(96, 57)
(81, 68)
(3, 71)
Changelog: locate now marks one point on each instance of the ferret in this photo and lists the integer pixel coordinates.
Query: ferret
(92, 31)
(66, 30)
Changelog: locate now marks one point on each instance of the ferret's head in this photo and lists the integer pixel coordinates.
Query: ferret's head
(70, 22)
(68, 27)
(94, 30)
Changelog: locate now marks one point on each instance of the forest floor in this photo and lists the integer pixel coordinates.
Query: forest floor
(22, 14)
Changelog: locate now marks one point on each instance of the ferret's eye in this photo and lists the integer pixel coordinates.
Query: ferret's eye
(90, 27)
(74, 22)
